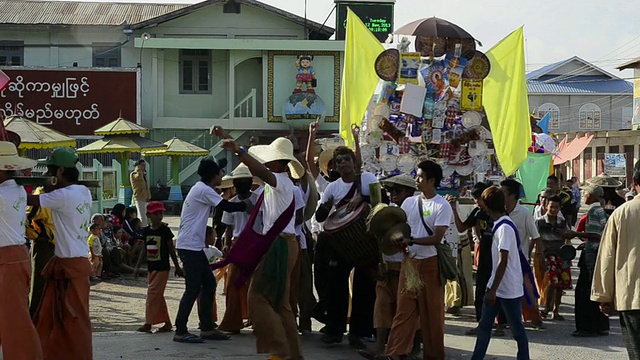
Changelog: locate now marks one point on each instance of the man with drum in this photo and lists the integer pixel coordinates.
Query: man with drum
(349, 191)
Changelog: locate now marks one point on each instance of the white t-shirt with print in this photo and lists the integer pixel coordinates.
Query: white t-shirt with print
(276, 201)
(13, 213)
(526, 225)
(240, 219)
(71, 212)
(435, 211)
(300, 204)
(196, 210)
(504, 238)
(321, 185)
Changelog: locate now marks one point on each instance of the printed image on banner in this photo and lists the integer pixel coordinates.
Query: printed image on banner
(615, 165)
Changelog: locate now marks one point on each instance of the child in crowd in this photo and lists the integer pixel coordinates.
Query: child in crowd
(553, 230)
(95, 250)
(210, 241)
(158, 239)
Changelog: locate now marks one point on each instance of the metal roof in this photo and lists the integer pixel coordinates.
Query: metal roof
(27, 12)
(621, 87)
(327, 31)
(139, 15)
(545, 81)
(537, 74)
(633, 64)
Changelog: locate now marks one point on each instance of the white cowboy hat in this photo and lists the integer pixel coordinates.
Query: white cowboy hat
(325, 157)
(9, 159)
(240, 172)
(280, 149)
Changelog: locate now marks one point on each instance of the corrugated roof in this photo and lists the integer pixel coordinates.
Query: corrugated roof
(536, 74)
(80, 13)
(621, 87)
(139, 15)
(633, 64)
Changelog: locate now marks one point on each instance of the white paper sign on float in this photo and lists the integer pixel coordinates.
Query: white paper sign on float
(413, 100)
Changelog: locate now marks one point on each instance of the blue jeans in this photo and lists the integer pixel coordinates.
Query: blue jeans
(513, 310)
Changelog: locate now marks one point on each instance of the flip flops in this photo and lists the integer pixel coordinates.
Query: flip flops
(188, 338)
(214, 335)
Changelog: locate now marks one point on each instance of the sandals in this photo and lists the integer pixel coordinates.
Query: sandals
(165, 328)
(146, 328)
(498, 333)
(582, 333)
(558, 317)
(214, 335)
(188, 338)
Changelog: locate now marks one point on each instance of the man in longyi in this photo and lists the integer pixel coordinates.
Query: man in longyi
(18, 336)
(62, 320)
(274, 324)
(429, 216)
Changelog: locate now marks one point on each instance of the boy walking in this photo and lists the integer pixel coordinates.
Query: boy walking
(158, 239)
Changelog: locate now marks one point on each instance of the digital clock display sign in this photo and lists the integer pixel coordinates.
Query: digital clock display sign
(378, 17)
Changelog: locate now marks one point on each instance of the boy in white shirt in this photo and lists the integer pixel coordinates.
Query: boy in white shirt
(505, 288)
(19, 337)
(191, 242)
(70, 206)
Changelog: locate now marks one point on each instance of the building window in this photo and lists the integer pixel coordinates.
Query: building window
(106, 55)
(589, 116)
(11, 53)
(195, 71)
(554, 111)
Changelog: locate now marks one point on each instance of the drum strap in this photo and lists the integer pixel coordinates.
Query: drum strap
(355, 188)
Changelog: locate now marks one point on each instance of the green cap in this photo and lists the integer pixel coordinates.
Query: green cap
(64, 157)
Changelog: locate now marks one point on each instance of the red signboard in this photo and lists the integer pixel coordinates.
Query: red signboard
(73, 102)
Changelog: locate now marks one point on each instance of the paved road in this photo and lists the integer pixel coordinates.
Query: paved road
(117, 309)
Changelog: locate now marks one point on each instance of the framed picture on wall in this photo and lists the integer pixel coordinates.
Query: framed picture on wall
(303, 72)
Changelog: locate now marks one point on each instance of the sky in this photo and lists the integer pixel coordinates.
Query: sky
(605, 33)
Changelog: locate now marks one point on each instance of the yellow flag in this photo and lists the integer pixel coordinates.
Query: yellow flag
(359, 78)
(506, 103)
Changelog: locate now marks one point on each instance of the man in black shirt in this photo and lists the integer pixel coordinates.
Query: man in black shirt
(482, 224)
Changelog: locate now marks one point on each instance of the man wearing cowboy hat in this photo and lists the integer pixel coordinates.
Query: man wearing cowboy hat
(17, 333)
(70, 205)
(236, 299)
(270, 311)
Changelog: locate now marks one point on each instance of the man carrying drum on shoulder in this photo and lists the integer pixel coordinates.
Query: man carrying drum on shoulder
(18, 336)
(67, 273)
(350, 190)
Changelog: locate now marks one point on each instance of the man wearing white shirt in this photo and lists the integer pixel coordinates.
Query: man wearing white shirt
(70, 205)
(429, 216)
(350, 190)
(18, 335)
(274, 323)
(191, 241)
(505, 289)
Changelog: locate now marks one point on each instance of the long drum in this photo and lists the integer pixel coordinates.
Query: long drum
(349, 236)
(51, 181)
